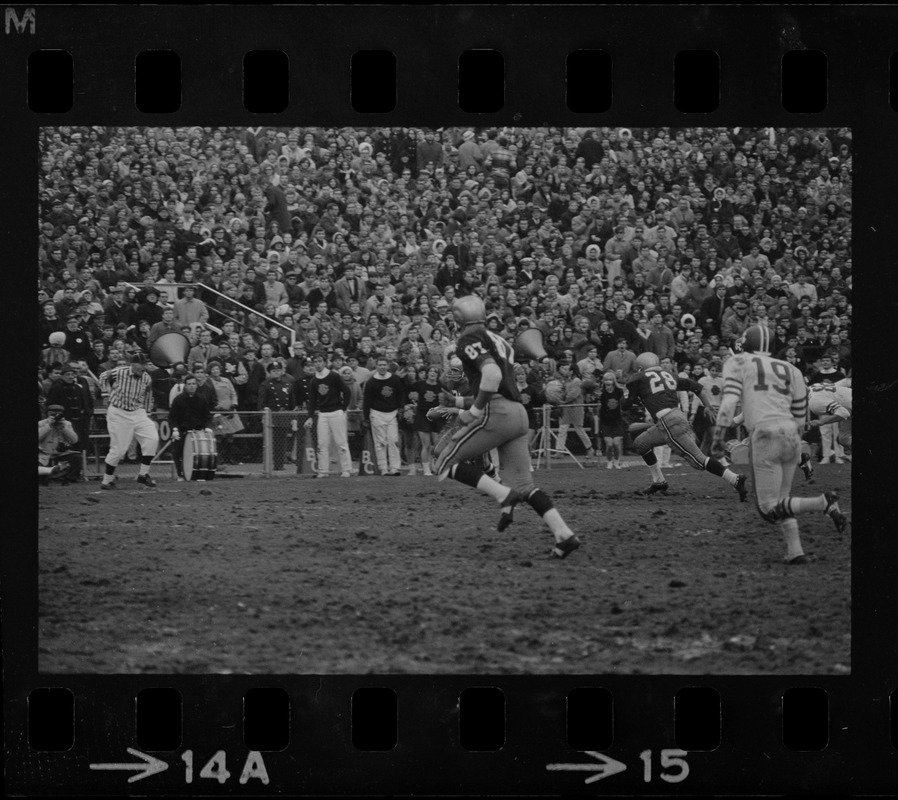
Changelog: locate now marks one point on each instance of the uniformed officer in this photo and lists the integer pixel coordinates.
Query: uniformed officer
(276, 394)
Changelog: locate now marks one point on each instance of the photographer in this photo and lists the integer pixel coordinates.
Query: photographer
(55, 437)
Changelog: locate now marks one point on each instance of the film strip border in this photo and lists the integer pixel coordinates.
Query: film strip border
(373, 81)
(639, 62)
(539, 717)
(458, 734)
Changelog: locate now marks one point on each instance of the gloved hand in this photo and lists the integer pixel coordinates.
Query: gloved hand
(175, 435)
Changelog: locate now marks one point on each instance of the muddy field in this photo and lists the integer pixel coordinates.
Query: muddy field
(408, 575)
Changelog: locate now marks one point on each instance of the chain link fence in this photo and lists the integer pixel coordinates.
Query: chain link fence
(277, 443)
(263, 443)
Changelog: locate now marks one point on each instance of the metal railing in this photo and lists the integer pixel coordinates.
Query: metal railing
(205, 287)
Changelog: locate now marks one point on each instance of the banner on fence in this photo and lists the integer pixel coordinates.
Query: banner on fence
(367, 461)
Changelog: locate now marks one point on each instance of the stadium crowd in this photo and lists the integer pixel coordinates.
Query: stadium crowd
(353, 243)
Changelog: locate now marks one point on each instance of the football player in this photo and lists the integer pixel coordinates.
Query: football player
(496, 418)
(657, 389)
(831, 405)
(774, 400)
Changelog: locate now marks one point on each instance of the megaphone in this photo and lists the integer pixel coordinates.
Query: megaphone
(529, 344)
(170, 348)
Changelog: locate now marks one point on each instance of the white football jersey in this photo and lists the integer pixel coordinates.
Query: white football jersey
(768, 390)
(830, 398)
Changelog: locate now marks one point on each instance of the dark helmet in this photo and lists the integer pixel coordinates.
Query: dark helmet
(756, 339)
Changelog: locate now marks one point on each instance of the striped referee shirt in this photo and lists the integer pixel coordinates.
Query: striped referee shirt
(127, 391)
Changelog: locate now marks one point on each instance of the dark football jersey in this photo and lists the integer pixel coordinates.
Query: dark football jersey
(657, 389)
(474, 347)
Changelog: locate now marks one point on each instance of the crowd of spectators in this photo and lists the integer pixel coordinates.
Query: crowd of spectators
(353, 243)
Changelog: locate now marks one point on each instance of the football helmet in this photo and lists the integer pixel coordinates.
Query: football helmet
(469, 310)
(756, 339)
(646, 360)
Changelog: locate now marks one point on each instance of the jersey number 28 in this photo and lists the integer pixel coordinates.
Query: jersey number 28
(659, 381)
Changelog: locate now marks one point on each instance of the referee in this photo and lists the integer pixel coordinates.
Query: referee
(130, 397)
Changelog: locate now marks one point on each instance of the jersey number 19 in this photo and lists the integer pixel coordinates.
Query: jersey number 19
(780, 370)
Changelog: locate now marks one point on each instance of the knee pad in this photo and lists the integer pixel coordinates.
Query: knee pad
(466, 473)
(648, 456)
(540, 501)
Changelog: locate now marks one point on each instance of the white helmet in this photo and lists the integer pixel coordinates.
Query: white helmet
(646, 360)
(469, 310)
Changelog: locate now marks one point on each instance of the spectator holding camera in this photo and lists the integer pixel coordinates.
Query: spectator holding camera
(75, 399)
(56, 439)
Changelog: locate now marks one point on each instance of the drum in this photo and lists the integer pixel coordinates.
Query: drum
(200, 456)
(737, 451)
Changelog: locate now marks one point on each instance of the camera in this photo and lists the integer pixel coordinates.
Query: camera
(57, 416)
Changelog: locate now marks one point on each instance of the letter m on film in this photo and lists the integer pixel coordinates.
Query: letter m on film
(13, 21)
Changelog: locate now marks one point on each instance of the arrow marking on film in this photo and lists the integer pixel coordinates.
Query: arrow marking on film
(605, 769)
(150, 766)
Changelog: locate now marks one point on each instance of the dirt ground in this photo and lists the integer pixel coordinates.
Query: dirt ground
(408, 575)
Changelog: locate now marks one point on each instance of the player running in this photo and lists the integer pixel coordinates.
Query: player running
(774, 400)
(496, 419)
(831, 404)
(657, 389)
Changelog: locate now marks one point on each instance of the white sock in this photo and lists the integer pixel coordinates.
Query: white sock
(557, 525)
(730, 477)
(493, 488)
(802, 505)
(657, 474)
(789, 528)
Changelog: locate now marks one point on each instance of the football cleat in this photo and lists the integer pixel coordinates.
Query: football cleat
(807, 467)
(564, 548)
(508, 506)
(740, 488)
(793, 562)
(833, 511)
(147, 481)
(107, 486)
(656, 487)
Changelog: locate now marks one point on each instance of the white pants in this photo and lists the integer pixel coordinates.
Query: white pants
(829, 441)
(385, 432)
(333, 423)
(123, 426)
